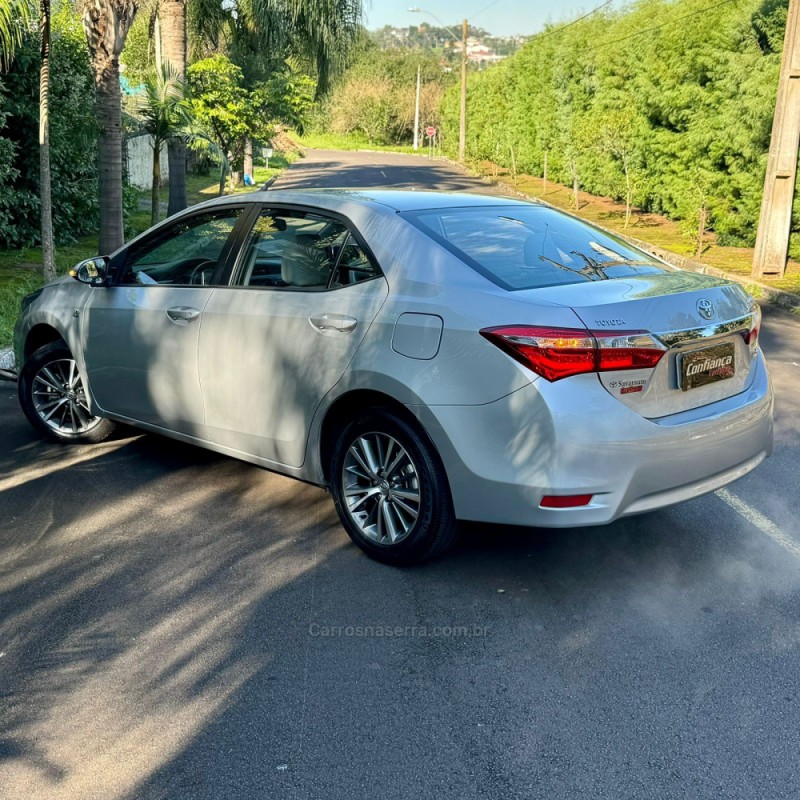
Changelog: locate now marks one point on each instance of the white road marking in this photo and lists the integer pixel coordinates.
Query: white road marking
(755, 517)
(383, 173)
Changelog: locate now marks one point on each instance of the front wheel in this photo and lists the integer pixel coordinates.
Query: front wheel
(390, 489)
(53, 397)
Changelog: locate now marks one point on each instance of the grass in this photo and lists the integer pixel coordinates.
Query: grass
(20, 270)
(337, 141)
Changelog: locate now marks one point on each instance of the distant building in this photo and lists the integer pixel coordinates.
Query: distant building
(478, 53)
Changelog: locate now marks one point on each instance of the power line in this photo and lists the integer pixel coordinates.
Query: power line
(485, 8)
(560, 28)
(662, 25)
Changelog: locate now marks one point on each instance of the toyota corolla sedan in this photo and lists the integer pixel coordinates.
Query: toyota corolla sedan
(426, 357)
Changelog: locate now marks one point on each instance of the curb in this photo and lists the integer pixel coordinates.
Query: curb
(778, 297)
(770, 294)
(7, 360)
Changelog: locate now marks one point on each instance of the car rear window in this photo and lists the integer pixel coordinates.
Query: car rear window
(530, 247)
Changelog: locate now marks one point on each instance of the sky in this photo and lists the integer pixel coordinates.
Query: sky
(501, 17)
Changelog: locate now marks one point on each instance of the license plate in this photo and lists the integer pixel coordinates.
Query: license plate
(709, 365)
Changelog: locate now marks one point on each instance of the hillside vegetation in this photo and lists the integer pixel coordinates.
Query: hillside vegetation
(666, 105)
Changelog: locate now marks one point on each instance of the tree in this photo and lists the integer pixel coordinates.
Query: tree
(172, 18)
(72, 141)
(45, 193)
(106, 24)
(232, 114)
(165, 114)
(15, 15)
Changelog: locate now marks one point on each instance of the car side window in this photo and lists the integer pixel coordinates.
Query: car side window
(295, 249)
(186, 253)
(353, 265)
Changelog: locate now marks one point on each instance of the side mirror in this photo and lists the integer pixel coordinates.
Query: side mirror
(92, 271)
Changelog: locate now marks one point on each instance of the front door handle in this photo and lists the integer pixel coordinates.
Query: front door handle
(333, 322)
(182, 314)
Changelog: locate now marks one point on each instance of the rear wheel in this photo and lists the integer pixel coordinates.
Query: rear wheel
(390, 489)
(53, 397)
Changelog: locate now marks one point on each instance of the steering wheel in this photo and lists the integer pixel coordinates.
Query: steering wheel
(198, 273)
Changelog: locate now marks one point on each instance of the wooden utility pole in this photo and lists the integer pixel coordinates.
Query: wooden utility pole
(416, 113)
(775, 222)
(462, 125)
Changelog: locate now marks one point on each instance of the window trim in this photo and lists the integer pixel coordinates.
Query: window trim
(120, 268)
(237, 263)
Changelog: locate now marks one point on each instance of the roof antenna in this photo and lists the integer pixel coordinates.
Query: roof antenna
(268, 184)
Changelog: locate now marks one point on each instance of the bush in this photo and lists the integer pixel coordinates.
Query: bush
(73, 139)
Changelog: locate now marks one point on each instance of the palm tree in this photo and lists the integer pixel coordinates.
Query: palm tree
(15, 16)
(172, 19)
(106, 24)
(259, 35)
(45, 193)
(163, 111)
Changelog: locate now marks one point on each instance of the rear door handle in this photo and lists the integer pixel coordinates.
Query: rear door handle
(183, 314)
(333, 322)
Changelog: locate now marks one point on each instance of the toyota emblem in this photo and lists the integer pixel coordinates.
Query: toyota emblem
(705, 308)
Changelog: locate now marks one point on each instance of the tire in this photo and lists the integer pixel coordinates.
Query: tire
(390, 489)
(53, 397)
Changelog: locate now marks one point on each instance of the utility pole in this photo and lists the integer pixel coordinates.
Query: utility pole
(462, 126)
(462, 123)
(416, 114)
(775, 222)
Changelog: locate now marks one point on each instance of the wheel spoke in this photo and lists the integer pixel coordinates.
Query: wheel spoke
(390, 470)
(40, 379)
(55, 381)
(360, 459)
(49, 402)
(358, 472)
(379, 521)
(365, 495)
(55, 408)
(71, 378)
(412, 512)
(72, 421)
(389, 513)
(82, 403)
(366, 449)
(406, 494)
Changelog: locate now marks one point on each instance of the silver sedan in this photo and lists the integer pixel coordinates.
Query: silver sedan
(426, 357)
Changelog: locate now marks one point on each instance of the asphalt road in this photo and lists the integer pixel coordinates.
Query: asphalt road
(176, 624)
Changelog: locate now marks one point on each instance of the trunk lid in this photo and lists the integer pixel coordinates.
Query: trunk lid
(703, 322)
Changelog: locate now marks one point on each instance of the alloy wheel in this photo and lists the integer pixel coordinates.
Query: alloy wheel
(381, 488)
(60, 399)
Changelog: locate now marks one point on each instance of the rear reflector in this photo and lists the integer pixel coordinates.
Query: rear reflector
(565, 500)
(556, 353)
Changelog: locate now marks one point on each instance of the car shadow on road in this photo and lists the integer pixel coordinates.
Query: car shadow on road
(176, 623)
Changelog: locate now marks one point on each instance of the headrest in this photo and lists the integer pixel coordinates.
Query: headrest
(304, 265)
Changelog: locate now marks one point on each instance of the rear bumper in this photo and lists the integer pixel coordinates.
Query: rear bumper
(572, 437)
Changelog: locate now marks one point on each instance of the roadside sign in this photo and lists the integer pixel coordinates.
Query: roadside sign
(430, 131)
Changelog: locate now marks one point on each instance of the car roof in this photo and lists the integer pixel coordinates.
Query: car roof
(395, 199)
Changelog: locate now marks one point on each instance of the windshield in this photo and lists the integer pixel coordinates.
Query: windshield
(530, 247)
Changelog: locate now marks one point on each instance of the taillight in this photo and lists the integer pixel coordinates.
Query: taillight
(556, 353)
(751, 336)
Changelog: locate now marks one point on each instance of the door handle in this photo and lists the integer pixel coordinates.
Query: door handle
(181, 314)
(333, 322)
